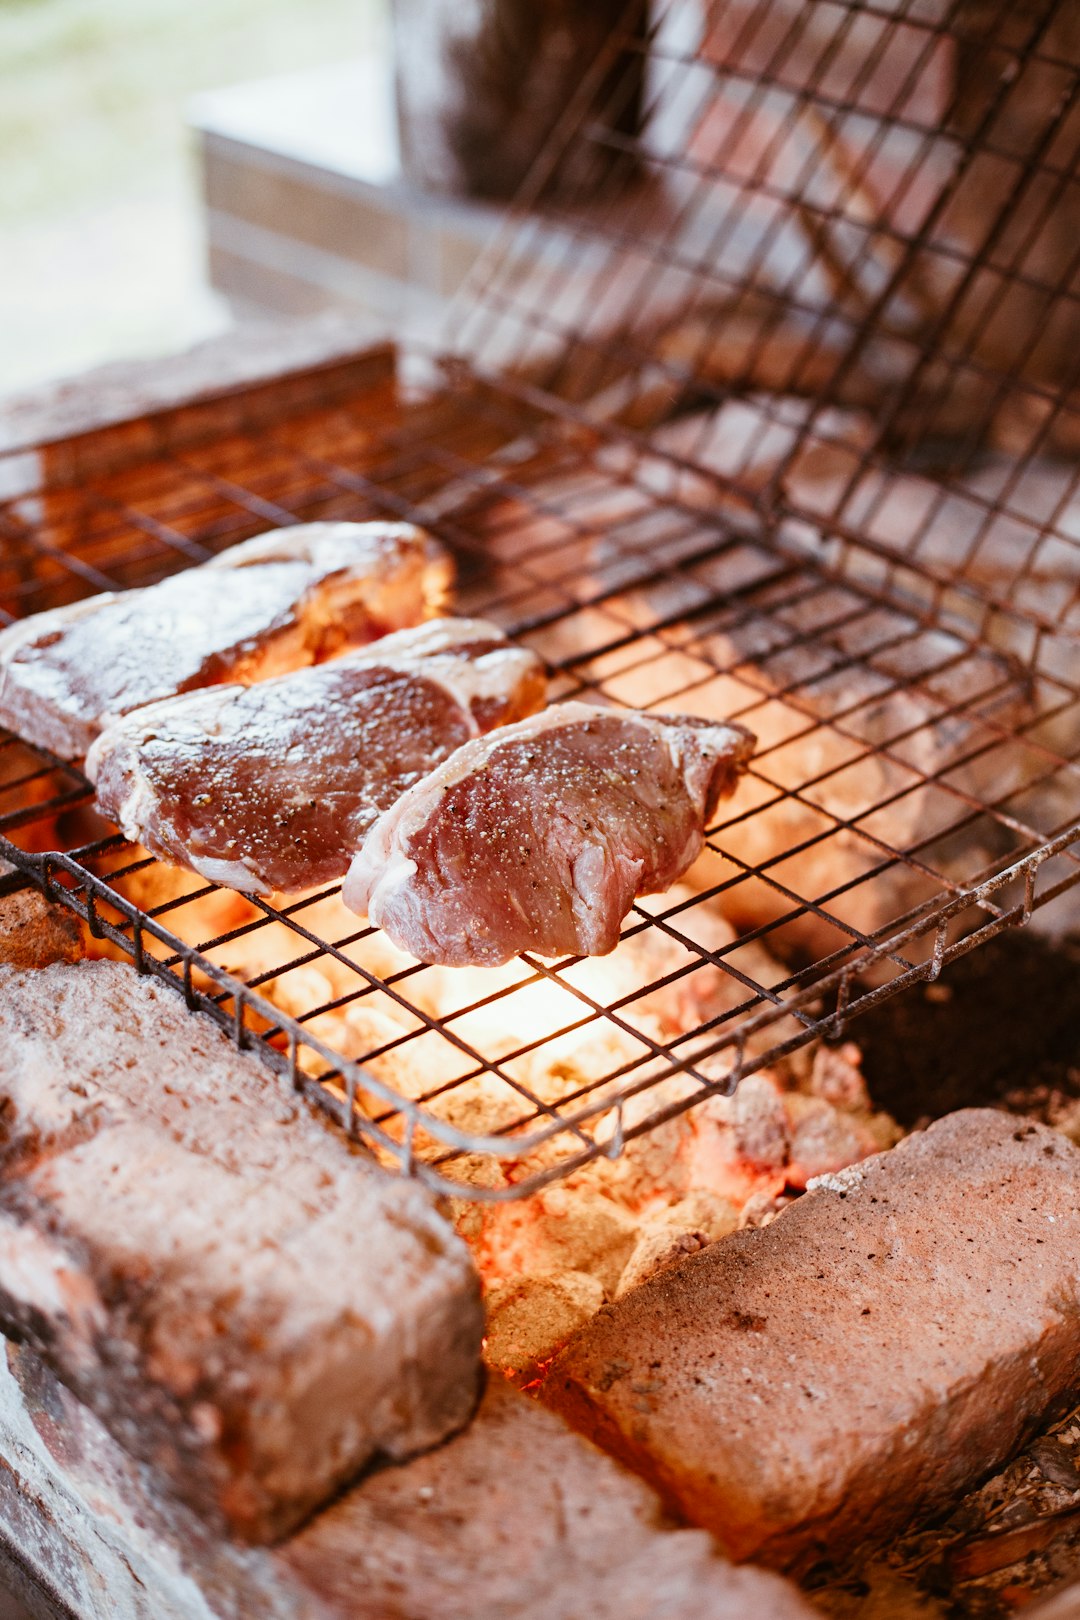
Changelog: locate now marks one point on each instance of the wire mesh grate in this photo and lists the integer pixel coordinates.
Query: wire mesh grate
(772, 430)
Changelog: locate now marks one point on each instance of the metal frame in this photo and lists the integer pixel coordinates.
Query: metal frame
(646, 571)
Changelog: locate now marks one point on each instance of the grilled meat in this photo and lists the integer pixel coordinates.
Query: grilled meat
(274, 603)
(539, 836)
(273, 786)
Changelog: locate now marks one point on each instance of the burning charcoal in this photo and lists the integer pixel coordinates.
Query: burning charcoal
(823, 807)
(651, 1169)
(560, 1059)
(823, 1139)
(359, 1029)
(700, 1172)
(476, 1106)
(836, 1075)
(214, 912)
(256, 952)
(678, 1231)
(758, 1120)
(28, 782)
(740, 1144)
(837, 832)
(532, 1317)
(252, 1309)
(274, 603)
(575, 1226)
(656, 1251)
(897, 1334)
(732, 1149)
(762, 1208)
(695, 990)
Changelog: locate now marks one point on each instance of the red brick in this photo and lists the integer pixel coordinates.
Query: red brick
(894, 1335)
(518, 1516)
(1062, 1606)
(34, 933)
(251, 1309)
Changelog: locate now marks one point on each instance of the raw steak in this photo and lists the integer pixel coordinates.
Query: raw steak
(299, 595)
(540, 836)
(273, 786)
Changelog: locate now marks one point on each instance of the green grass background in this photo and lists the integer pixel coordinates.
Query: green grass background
(92, 92)
(100, 249)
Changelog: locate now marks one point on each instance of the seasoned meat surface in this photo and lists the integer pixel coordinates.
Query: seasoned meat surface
(539, 836)
(273, 786)
(275, 603)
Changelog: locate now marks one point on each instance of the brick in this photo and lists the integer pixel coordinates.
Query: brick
(122, 413)
(250, 1307)
(1062, 1606)
(518, 1516)
(34, 933)
(672, 1577)
(333, 354)
(807, 1387)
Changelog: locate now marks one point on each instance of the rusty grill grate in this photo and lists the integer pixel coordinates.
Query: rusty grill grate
(780, 427)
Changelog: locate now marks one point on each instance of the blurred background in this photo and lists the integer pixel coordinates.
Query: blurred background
(167, 170)
(102, 234)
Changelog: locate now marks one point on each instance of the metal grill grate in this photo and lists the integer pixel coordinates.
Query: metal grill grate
(769, 431)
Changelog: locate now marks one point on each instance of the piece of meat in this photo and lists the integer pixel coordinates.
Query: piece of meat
(287, 599)
(539, 836)
(274, 786)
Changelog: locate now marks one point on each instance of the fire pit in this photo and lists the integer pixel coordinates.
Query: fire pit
(734, 444)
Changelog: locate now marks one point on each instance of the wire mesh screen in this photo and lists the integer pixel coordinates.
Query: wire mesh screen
(859, 220)
(778, 426)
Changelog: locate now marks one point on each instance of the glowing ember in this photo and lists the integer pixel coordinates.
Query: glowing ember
(564, 1038)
